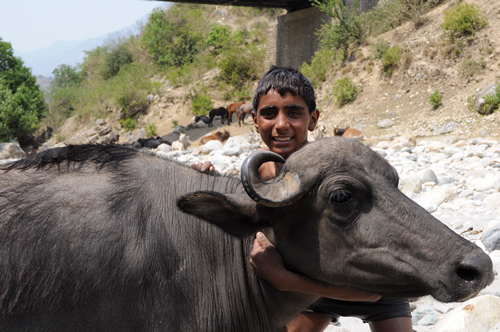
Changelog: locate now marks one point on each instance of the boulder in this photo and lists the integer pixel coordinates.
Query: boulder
(11, 151)
(478, 314)
(480, 99)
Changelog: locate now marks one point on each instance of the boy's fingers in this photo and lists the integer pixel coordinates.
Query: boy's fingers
(263, 241)
(207, 166)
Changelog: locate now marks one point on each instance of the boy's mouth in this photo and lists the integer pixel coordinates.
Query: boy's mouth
(282, 139)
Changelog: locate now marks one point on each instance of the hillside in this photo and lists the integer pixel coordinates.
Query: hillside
(431, 63)
(433, 66)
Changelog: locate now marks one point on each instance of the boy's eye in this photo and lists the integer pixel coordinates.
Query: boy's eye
(267, 114)
(295, 113)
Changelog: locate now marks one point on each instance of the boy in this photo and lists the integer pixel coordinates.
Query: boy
(284, 110)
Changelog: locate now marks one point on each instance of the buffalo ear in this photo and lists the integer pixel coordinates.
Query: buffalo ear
(234, 214)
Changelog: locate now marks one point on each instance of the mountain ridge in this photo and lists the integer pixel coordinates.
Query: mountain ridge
(43, 61)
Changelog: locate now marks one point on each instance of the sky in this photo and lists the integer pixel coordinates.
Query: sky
(30, 25)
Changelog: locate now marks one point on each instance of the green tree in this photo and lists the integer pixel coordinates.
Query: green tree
(117, 56)
(347, 28)
(172, 41)
(219, 38)
(22, 103)
(65, 76)
(63, 94)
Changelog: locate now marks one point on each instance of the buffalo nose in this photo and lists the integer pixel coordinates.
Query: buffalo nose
(477, 269)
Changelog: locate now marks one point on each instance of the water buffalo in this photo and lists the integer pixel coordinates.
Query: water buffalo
(110, 238)
(221, 111)
(204, 119)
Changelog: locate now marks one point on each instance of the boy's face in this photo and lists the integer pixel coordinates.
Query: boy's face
(283, 122)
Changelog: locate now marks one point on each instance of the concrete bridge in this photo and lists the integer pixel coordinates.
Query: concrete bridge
(291, 38)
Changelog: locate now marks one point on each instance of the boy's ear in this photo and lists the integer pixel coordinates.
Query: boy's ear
(314, 120)
(254, 117)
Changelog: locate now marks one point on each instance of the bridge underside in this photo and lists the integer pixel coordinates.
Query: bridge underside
(290, 5)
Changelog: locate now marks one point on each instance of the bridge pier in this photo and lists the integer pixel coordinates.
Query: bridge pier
(291, 38)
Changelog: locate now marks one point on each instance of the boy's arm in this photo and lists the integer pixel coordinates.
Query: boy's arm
(269, 266)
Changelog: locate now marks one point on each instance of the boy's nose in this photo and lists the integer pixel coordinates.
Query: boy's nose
(281, 121)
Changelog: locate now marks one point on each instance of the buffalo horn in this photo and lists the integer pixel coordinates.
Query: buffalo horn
(285, 188)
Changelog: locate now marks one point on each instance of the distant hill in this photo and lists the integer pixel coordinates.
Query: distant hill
(43, 61)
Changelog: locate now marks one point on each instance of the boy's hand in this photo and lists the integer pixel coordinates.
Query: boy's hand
(267, 262)
(206, 168)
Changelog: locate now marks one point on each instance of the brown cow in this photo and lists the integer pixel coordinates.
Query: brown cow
(217, 136)
(231, 108)
(349, 133)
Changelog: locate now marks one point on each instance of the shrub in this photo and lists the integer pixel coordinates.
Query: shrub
(463, 20)
(491, 103)
(151, 130)
(130, 86)
(380, 48)
(64, 94)
(219, 38)
(435, 99)
(390, 60)
(239, 67)
(320, 63)
(471, 102)
(345, 91)
(128, 124)
(117, 56)
(471, 67)
(201, 102)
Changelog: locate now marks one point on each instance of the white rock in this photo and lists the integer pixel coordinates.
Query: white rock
(478, 314)
(429, 176)
(211, 146)
(492, 201)
(402, 142)
(491, 236)
(436, 146)
(384, 145)
(164, 147)
(431, 199)
(11, 151)
(411, 184)
(481, 184)
(232, 149)
(385, 123)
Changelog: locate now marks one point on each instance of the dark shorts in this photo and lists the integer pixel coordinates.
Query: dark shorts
(382, 309)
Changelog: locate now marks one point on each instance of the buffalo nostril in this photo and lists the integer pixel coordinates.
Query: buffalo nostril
(468, 273)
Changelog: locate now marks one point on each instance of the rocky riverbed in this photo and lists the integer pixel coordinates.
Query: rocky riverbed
(458, 181)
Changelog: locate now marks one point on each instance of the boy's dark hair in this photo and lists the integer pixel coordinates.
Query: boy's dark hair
(284, 80)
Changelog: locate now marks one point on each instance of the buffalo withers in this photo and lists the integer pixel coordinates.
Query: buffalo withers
(92, 239)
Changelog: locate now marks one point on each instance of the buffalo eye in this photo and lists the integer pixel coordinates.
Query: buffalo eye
(340, 196)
